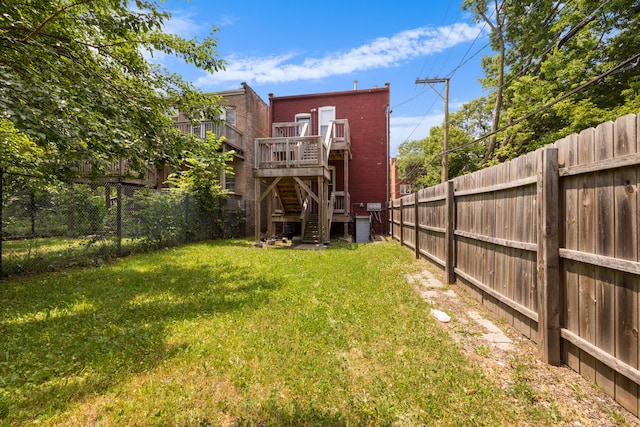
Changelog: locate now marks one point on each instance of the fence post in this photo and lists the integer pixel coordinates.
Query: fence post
(32, 213)
(1, 218)
(449, 236)
(119, 219)
(548, 256)
(417, 224)
(390, 217)
(186, 218)
(401, 223)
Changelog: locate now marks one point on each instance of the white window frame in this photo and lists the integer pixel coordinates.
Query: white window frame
(301, 118)
(325, 116)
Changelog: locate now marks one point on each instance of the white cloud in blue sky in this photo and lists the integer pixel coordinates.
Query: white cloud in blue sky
(185, 24)
(383, 52)
(270, 64)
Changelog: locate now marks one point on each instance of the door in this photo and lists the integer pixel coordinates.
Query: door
(325, 116)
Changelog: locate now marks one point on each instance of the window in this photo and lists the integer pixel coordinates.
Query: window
(325, 116)
(405, 189)
(229, 115)
(229, 180)
(303, 118)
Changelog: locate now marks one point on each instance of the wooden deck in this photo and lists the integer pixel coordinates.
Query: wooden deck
(120, 172)
(293, 159)
(232, 136)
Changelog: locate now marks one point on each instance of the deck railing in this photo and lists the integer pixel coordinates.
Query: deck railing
(289, 129)
(295, 152)
(292, 147)
(233, 137)
(120, 171)
(341, 135)
(339, 202)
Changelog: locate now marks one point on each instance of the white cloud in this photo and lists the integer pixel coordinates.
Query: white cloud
(381, 53)
(411, 128)
(185, 24)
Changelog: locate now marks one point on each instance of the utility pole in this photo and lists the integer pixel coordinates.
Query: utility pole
(445, 148)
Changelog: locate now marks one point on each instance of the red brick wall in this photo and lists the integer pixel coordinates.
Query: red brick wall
(366, 111)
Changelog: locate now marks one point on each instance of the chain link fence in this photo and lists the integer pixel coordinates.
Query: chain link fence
(50, 227)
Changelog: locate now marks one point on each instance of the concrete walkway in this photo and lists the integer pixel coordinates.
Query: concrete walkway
(447, 307)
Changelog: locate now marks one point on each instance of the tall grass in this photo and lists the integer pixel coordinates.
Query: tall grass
(227, 334)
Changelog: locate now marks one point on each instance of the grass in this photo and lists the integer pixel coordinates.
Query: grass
(53, 253)
(27, 256)
(227, 334)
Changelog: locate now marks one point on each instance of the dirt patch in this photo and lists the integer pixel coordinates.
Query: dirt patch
(506, 354)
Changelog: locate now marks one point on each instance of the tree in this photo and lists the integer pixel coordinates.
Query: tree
(201, 175)
(419, 162)
(496, 63)
(550, 48)
(74, 78)
(21, 158)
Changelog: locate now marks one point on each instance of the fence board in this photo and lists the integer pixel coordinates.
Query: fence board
(502, 174)
(625, 193)
(509, 264)
(483, 272)
(502, 230)
(586, 243)
(605, 311)
(516, 261)
(530, 230)
(567, 156)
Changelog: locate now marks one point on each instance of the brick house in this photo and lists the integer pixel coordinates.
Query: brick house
(245, 117)
(326, 162)
(399, 187)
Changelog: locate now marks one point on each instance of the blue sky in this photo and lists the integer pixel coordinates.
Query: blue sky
(290, 48)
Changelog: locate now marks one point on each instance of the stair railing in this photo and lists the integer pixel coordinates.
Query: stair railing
(328, 140)
(331, 202)
(304, 215)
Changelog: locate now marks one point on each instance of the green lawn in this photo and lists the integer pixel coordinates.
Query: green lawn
(227, 334)
(43, 254)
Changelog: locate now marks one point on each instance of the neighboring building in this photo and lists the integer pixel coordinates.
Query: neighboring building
(326, 162)
(399, 187)
(245, 118)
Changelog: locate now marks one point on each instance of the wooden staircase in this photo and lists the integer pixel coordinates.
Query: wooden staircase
(289, 195)
(312, 230)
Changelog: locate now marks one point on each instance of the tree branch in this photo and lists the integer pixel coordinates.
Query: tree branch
(51, 17)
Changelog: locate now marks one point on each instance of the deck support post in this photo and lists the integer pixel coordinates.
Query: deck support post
(270, 212)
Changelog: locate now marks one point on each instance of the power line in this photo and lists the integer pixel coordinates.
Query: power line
(445, 151)
(444, 18)
(421, 120)
(408, 100)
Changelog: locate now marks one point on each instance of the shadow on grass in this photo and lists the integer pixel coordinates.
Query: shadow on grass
(69, 335)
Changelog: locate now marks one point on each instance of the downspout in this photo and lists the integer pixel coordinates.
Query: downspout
(388, 114)
(270, 115)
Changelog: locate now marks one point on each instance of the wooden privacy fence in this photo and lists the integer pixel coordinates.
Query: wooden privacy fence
(549, 241)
